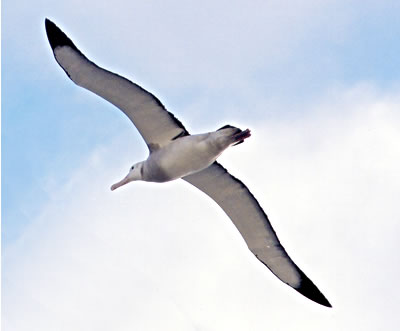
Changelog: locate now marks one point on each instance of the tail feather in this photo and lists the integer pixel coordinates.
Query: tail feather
(232, 135)
(241, 136)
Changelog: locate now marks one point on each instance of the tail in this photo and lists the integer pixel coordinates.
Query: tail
(236, 135)
(241, 136)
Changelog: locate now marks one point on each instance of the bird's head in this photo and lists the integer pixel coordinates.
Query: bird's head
(135, 173)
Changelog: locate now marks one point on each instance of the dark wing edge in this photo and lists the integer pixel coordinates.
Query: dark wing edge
(231, 194)
(57, 38)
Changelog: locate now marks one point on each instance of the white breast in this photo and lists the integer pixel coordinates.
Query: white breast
(182, 157)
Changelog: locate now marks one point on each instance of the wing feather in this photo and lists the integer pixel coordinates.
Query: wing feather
(253, 224)
(156, 125)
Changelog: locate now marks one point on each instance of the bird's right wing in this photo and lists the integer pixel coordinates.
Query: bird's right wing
(253, 224)
(156, 125)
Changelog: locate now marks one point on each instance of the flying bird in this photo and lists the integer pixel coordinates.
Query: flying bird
(174, 153)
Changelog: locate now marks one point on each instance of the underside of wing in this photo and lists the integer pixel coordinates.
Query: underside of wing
(156, 125)
(253, 224)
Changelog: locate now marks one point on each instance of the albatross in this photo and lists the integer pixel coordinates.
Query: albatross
(174, 154)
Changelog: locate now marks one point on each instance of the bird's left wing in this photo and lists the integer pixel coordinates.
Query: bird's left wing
(253, 224)
(156, 125)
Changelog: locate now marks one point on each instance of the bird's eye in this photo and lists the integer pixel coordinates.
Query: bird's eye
(132, 167)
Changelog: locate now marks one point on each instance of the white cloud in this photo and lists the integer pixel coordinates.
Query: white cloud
(164, 256)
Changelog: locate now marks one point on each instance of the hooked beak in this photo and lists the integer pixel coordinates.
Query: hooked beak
(120, 183)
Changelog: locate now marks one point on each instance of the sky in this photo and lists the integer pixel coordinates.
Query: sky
(317, 82)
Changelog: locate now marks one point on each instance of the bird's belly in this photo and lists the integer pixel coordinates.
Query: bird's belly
(179, 160)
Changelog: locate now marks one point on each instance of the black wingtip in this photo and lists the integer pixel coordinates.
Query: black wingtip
(56, 37)
(306, 288)
(309, 290)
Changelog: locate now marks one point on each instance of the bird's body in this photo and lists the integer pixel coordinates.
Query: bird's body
(174, 154)
(184, 156)
(187, 155)
(180, 158)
